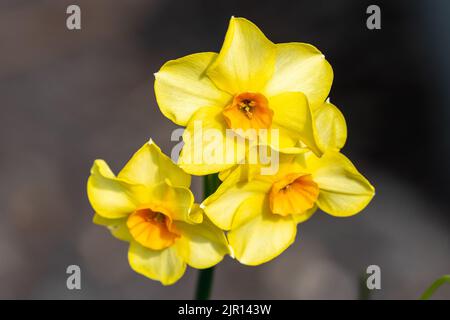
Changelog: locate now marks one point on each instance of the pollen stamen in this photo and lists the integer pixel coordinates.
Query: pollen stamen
(248, 111)
(247, 107)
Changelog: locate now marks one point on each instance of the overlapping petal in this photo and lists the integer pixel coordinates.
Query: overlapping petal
(208, 148)
(301, 67)
(257, 235)
(292, 112)
(176, 202)
(201, 245)
(222, 205)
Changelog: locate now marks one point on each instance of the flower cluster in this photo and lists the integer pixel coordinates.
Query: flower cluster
(254, 97)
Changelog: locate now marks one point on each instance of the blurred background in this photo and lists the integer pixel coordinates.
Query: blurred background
(69, 97)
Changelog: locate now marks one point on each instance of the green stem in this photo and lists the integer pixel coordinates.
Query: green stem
(210, 184)
(363, 291)
(205, 280)
(430, 291)
(204, 284)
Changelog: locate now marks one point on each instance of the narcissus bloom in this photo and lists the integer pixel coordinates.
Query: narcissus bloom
(261, 213)
(251, 83)
(149, 204)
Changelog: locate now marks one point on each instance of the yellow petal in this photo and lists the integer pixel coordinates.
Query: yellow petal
(285, 141)
(166, 265)
(257, 235)
(266, 172)
(331, 127)
(343, 190)
(149, 166)
(110, 197)
(175, 202)
(207, 148)
(221, 206)
(246, 60)
(118, 227)
(201, 245)
(182, 87)
(225, 173)
(301, 67)
(292, 112)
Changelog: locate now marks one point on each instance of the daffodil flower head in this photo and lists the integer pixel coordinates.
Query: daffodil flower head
(251, 84)
(149, 204)
(261, 214)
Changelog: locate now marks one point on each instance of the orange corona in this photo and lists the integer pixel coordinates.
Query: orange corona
(294, 194)
(151, 229)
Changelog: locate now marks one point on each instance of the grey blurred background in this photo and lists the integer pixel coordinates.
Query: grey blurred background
(69, 97)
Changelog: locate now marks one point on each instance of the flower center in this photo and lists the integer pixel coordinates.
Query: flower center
(151, 229)
(293, 194)
(248, 111)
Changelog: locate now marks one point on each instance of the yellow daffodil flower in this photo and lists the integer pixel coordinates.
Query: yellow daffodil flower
(251, 83)
(149, 204)
(261, 214)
